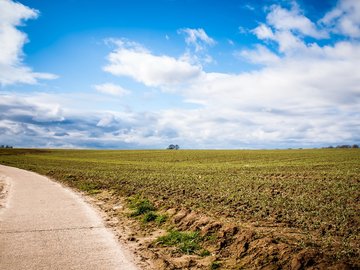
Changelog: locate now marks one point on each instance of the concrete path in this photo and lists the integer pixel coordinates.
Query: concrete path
(46, 226)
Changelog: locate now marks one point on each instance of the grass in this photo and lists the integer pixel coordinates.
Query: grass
(149, 216)
(161, 218)
(90, 188)
(186, 242)
(313, 190)
(142, 206)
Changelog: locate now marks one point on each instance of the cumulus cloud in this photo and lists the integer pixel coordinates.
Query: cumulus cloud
(112, 89)
(344, 19)
(322, 77)
(293, 20)
(12, 40)
(263, 32)
(287, 28)
(132, 60)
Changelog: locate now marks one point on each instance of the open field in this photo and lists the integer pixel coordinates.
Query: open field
(314, 191)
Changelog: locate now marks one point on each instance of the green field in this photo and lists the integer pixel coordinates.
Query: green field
(312, 190)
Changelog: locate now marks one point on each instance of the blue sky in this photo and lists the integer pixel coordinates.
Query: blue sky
(201, 74)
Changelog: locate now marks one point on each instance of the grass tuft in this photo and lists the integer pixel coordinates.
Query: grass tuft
(149, 216)
(160, 219)
(186, 242)
(141, 206)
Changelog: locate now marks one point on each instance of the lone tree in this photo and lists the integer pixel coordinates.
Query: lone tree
(173, 147)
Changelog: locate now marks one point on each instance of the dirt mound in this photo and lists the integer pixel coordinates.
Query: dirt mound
(224, 245)
(234, 246)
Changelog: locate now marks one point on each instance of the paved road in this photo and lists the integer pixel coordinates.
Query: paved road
(45, 226)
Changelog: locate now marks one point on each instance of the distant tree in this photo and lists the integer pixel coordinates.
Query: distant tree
(355, 146)
(173, 147)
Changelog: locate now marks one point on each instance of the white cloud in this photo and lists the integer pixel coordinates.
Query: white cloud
(263, 32)
(293, 20)
(112, 89)
(313, 78)
(261, 55)
(31, 107)
(287, 41)
(12, 40)
(197, 38)
(344, 18)
(288, 28)
(132, 60)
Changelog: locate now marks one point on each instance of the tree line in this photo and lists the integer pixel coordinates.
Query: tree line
(5, 146)
(344, 146)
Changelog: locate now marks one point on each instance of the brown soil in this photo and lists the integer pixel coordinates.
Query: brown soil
(231, 246)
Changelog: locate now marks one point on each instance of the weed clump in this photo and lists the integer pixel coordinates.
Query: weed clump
(141, 206)
(160, 219)
(149, 216)
(186, 242)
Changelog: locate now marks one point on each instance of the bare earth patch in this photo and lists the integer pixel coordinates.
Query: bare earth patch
(229, 245)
